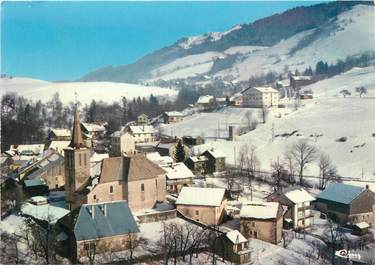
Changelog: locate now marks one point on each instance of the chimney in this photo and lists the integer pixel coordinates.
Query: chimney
(230, 133)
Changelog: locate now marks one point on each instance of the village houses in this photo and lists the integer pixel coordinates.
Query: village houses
(178, 176)
(234, 247)
(206, 102)
(262, 220)
(58, 134)
(216, 160)
(346, 203)
(298, 203)
(167, 147)
(142, 133)
(172, 117)
(142, 119)
(205, 205)
(260, 97)
(197, 164)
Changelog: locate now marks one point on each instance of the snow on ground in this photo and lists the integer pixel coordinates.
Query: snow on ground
(86, 91)
(329, 114)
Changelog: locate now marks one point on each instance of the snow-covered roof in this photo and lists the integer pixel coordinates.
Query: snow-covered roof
(59, 145)
(201, 196)
(260, 210)
(236, 237)
(221, 99)
(215, 153)
(362, 225)
(158, 159)
(61, 132)
(298, 195)
(174, 113)
(35, 148)
(198, 158)
(339, 192)
(95, 157)
(142, 129)
(263, 89)
(178, 171)
(92, 127)
(44, 212)
(301, 77)
(205, 99)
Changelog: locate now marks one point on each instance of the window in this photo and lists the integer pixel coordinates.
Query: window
(156, 183)
(196, 212)
(80, 160)
(142, 187)
(85, 159)
(255, 234)
(94, 197)
(111, 189)
(253, 224)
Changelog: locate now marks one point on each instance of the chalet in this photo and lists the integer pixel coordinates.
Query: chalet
(192, 141)
(234, 247)
(56, 134)
(206, 102)
(197, 164)
(205, 205)
(298, 203)
(347, 203)
(172, 117)
(262, 220)
(135, 179)
(142, 133)
(299, 81)
(96, 228)
(142, 119)
(178, 176)
(122, 143)
(259, 97)
(216, 160)
(96, 131)
(25, 151)
(168, 148)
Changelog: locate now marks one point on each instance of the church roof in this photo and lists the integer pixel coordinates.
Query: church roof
(77, 139)
(129, 169)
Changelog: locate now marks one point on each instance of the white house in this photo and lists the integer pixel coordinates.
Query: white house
(142, 133)
(259, 97)
(122, 143)
(298, 202)
(178, 176)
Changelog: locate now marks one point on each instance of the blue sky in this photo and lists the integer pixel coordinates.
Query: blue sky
(65, 40)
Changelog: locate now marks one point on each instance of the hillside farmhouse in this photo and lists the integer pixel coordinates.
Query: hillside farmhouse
(216, 160)
(172, 117)
(259, 97)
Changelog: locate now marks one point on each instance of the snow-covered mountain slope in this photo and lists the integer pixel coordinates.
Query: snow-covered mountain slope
(296, 38)
(86, 91)
(351, 33)
(329, 114)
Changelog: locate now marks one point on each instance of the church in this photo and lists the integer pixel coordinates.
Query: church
(132, 178)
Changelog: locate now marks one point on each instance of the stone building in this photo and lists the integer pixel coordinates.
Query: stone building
(347, 204)
(216, 160)
(259, 97)
(262, 220)
(172, 117)
(122, 144)
(134, 178)
(197, 164)
(298, 203)
(96, 228)
(205, 205)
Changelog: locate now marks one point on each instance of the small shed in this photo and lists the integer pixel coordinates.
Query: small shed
(361, 228)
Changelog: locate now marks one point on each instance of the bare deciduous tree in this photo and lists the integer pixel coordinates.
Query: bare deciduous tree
(277, 173)
(361, 90)
(290, 165)
(303, 154)
(327, 170)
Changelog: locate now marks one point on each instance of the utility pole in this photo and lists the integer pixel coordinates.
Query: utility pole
(273, 131)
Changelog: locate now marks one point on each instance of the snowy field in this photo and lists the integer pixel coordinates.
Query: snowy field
(329, 114)
(86, 91)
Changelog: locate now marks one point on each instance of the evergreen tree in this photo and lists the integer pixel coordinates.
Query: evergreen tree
(180, 152)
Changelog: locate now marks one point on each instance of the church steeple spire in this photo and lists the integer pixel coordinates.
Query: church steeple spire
(77, 139)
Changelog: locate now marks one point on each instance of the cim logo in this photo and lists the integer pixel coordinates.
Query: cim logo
(348, 255)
